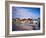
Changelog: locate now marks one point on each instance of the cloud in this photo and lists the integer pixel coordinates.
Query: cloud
(24, 13)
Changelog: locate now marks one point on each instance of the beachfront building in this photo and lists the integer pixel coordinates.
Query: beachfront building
(29, 20)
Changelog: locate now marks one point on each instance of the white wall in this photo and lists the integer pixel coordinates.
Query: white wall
(2, 19)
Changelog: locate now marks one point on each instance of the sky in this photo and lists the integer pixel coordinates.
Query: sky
(25, 12)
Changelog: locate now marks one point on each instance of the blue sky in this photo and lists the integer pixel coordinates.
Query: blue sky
(25, 12)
